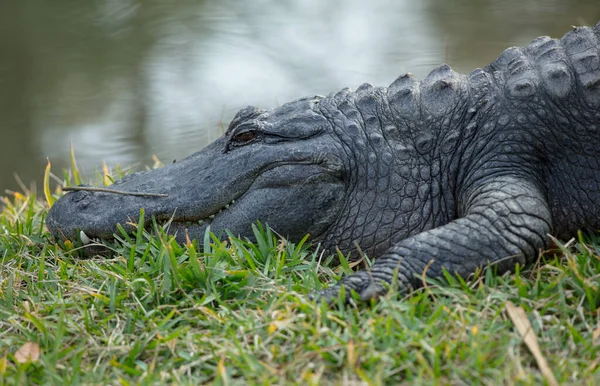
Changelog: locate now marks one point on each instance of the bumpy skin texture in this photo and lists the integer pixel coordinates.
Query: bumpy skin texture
(455, 172)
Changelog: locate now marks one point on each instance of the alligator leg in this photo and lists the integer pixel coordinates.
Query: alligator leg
(506, 221)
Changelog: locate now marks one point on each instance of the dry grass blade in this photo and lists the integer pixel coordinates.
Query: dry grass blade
(525, 329)
(113, 191)
(49, 198)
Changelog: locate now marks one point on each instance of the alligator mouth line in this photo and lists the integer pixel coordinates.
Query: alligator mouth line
(85, 239)
(202, 221)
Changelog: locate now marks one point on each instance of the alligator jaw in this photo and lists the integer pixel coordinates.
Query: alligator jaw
(286, 173)
(192, 189)
(196, 225)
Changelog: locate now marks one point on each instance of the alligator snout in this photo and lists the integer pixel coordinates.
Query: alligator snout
(93, 213)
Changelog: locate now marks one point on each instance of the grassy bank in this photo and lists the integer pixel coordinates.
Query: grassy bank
(237, 313)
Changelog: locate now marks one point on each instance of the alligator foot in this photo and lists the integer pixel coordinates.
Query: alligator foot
(362, 283)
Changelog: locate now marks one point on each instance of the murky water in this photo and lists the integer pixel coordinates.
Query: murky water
(122, 79)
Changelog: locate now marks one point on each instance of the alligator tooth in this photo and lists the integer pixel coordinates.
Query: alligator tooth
(85, 240)
(212, 216)
(200, 222)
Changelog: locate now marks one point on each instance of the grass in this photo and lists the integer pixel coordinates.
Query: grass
(237, 312)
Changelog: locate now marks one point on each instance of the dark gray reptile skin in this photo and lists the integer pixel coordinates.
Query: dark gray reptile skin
(455, 172)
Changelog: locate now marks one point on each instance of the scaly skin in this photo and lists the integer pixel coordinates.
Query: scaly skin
(455, 172)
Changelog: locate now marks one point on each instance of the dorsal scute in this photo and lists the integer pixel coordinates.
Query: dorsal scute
(367, 100)
(404, 84)
(348, 108)
(364, 88)
(364, 98)
(520, 75)
(403, 94)
(582, 45)
(340, 109)
(442, 77)
(553, 67)
(441, 89)
(480, 83)
(545, 49)
(501, 63)
(342, 94)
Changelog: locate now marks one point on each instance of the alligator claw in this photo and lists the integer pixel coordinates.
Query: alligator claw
(360, 283)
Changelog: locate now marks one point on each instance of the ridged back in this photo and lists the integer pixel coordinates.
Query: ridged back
(559, 68)
(556, 68)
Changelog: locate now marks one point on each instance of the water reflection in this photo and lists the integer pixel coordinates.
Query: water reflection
(125, 79)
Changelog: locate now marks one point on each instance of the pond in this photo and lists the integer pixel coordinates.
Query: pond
(123, 80)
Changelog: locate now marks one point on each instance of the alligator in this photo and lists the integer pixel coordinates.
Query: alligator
(453, 173)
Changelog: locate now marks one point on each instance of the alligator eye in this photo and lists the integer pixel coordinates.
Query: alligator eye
(245, 136)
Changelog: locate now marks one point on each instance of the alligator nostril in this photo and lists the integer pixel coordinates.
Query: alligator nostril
(80, 195)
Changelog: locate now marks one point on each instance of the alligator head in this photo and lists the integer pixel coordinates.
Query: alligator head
(281, 167)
